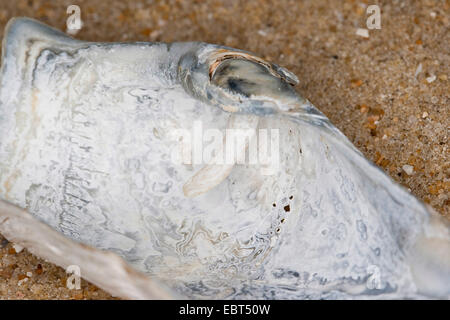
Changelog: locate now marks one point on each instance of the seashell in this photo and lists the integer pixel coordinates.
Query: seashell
(88, 178)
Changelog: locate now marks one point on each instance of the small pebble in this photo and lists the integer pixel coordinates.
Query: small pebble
(39, 269)
(362, 32)
(443, 77)
(424, 115)
(262, 33)
(418, 70)
(433, 14)
(409, 170)
(356, 83)
(431, 78)
(364, 108)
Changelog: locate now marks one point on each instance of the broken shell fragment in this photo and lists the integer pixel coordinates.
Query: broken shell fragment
(86, 178)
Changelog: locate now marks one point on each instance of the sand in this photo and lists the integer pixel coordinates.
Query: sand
(388, 92)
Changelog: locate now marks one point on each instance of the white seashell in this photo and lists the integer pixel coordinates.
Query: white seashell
(85, 148)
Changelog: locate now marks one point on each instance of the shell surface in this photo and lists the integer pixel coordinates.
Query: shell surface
(86, 146)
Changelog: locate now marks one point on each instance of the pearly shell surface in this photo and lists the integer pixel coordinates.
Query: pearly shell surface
(85, 147)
